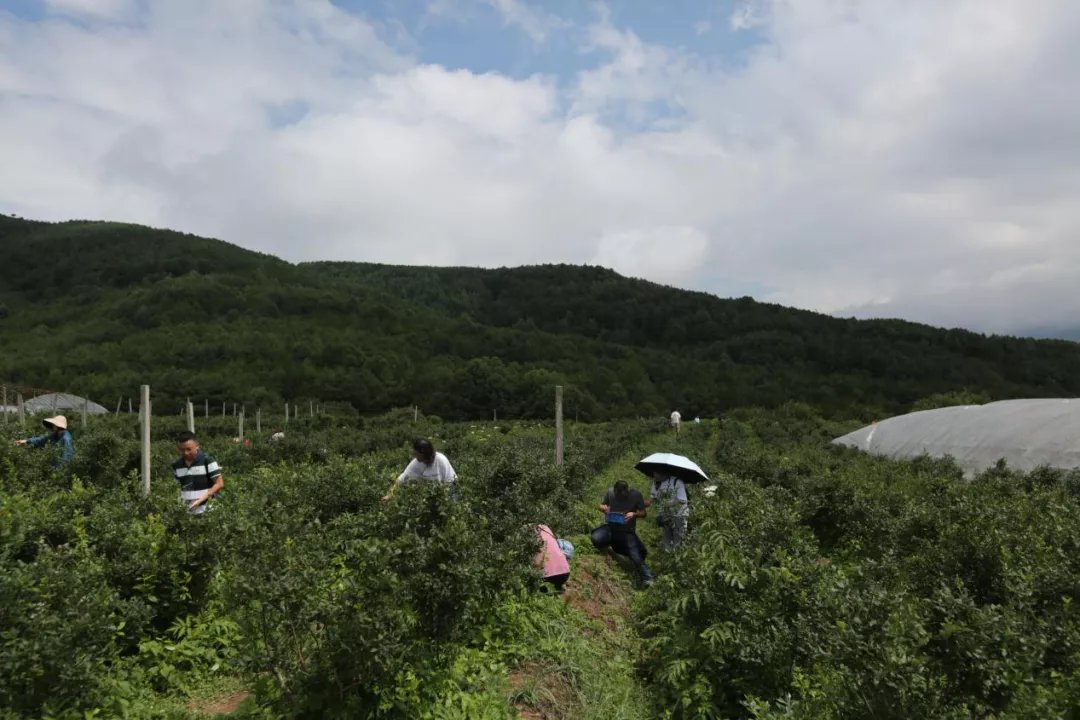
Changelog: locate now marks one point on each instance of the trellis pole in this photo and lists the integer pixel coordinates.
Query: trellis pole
(144, 411)
(190, 417)
(558, 426)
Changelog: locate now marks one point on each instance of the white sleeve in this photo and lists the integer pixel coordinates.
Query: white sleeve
(680, 492)
(446, 470)
(413, 470)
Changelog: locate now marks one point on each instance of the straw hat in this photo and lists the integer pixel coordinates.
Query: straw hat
(59, 421)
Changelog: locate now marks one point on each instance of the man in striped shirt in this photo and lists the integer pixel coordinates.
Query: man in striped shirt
(199, 474)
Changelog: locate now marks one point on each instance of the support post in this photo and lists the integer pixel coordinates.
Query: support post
(206, 407)
(22, 410)
(118, 401)
(84, 409)
(144, 408)
(415, 412)
(258, 421)
(5, 405)
(240, 430)
(495, 415)
(129, 407)
(222, 408)
(286, 413)
(558, 426)
(190, 417)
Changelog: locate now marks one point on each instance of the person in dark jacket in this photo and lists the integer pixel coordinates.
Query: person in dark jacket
(58, 435)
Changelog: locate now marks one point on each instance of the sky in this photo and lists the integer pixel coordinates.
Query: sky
(881, 158)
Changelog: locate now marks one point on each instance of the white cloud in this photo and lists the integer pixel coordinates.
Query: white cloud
(749, 14)
(529, 18)
(534, 22)
(104, 9)
(665, 254)
(885, 158)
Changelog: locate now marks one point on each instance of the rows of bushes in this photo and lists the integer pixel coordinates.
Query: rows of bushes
(824, 583)
(301, 581)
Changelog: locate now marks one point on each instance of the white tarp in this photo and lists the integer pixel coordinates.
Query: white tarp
(61, 403)
(1026, 433)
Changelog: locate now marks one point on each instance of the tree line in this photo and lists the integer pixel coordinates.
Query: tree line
(99, 308)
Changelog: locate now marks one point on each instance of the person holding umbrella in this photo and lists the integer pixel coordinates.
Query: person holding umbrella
(58, 435)
(670, 492)
(670, 474)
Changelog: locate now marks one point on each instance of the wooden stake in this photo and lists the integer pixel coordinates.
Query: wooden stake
(144, 410)
(258, 421)
(190, 417)
(22, 410)
(558, 426)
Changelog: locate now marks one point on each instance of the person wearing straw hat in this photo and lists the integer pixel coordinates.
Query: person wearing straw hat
(58, 435)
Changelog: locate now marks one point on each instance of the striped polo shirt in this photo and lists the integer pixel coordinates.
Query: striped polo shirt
(196, 480)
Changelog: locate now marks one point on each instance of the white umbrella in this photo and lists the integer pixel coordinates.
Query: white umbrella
(671, 464)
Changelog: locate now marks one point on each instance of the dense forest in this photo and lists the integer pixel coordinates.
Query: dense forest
(99, 308)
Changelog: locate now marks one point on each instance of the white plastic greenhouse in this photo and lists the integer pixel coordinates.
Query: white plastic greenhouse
(62, 402)
(1025, 433)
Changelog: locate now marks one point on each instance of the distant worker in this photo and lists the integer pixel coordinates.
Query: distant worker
(622, 506)
(427, 464)
(199, 474)
(676, 420)
(58, 435)
(278, 436)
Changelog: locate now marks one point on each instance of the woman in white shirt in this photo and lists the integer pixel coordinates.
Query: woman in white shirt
(427, 464)
(670, 493)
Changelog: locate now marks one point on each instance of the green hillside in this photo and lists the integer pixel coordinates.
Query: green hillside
(99, 308)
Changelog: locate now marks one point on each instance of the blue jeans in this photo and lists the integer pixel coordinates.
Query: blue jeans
(625, 543)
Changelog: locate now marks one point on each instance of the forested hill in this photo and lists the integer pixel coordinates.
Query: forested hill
(99, 308)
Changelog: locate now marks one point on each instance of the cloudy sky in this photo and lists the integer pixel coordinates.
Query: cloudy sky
(875, 158)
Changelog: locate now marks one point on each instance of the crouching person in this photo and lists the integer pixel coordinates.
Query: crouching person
(199, 474)
(551, 561)
(622, 506)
